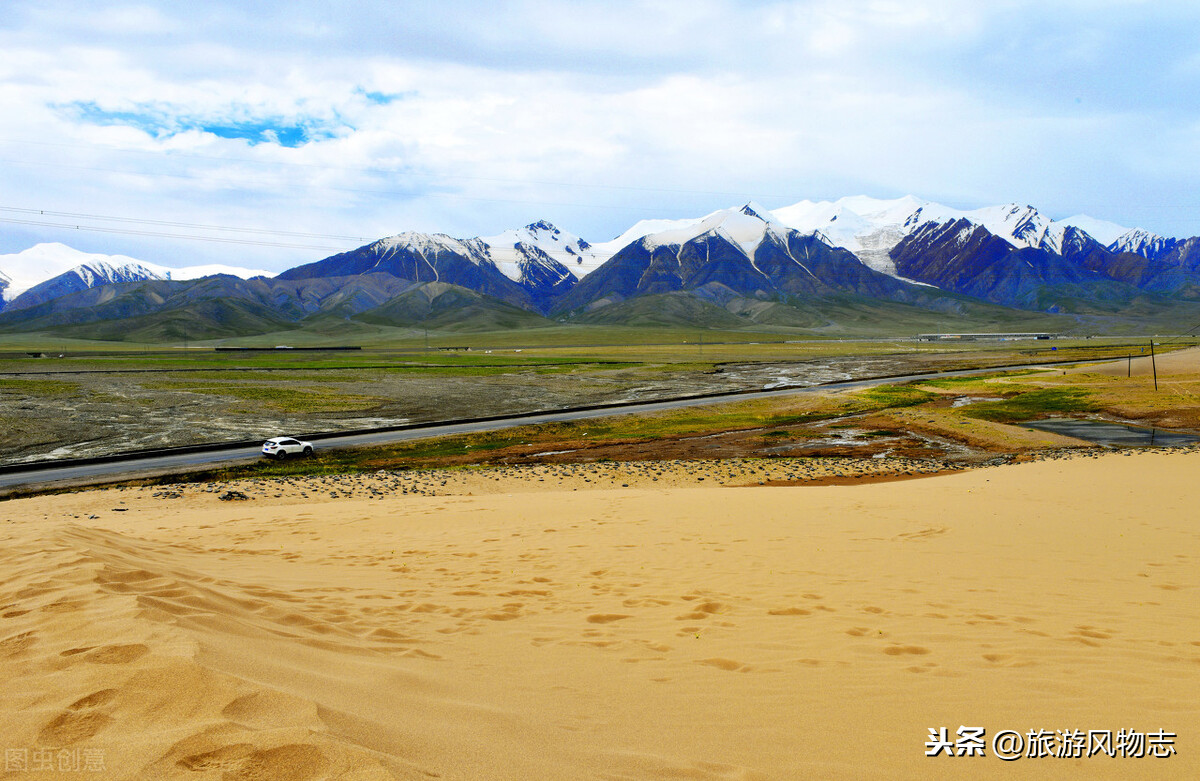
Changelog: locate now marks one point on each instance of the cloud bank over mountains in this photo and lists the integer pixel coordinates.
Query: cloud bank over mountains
(459, 118)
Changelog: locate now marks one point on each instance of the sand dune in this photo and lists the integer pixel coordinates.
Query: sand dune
(633, 633)
(1139, 364)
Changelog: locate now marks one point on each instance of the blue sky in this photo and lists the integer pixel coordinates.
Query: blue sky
(351, 121)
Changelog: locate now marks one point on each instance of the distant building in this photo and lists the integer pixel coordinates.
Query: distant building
(985, 337)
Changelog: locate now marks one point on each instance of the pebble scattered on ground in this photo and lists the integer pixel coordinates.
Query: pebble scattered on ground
(591, 476)
(555, 477)
(602, 475)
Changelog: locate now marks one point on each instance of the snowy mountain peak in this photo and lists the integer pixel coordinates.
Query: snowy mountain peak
(1142, 242)
(1075, 240)
(41, 262)
(104, 273)
(426, 242)
(1019, 225)
(44, 262)
(744, 227)
(851, 222)
(886, 209)
(1102, 231)
(542, 226)
(754, 209)
(514, 248)
(1028, 224)
(870, 226)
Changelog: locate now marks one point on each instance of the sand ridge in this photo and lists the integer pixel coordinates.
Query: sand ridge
(633, 630)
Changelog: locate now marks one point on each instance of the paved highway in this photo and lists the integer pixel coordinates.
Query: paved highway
(82, 474)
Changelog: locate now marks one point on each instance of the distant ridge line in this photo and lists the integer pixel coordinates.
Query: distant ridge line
(280, 349)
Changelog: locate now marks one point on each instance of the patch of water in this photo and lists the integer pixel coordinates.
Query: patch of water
(1110, 434)
(843, 438)
(963, 401)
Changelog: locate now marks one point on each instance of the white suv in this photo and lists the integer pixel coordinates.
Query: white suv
(282, 447)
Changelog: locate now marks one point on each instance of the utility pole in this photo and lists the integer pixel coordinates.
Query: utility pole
(1153, 366)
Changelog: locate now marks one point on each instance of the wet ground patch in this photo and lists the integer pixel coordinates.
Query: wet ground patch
(1110, 434)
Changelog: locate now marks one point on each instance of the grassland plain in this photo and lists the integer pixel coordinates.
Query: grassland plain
(96, 401)
(387, 337)
(947, 422)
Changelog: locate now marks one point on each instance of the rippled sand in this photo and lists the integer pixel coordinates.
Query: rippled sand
(668, 629)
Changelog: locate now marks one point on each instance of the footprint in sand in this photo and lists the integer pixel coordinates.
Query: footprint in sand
(1007, 660)
(703, 610)
(109, 576)
(244, 762)
(900, 650)
(63, 605)
(36, 590)
(11, 646)
(920, 668)
(789, 611)
(94, 700)
(80, 721)
(1088, 635)
(419, 654)
(507, 613)
(932, 531)
(71, 727)
(728, 665)
(606, 618)
(645, 602)
(116, 654)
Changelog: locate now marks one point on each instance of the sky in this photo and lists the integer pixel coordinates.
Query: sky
(269, 134)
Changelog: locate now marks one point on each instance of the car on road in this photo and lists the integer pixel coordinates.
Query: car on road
(282, 447)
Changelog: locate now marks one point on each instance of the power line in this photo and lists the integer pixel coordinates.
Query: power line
(186, 236)
(1190, 332)
(170, 224)
(193, 237)
(160, 234)
(218, 239)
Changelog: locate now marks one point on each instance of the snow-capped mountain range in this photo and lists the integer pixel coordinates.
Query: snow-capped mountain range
(858, 222)
(49, 270)
(1012, 255)
(868, 227)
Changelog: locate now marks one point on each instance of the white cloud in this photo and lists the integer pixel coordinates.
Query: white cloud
(591, 114)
